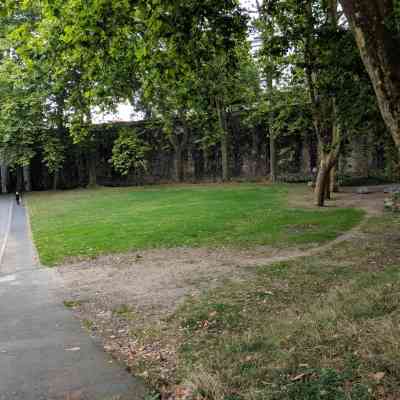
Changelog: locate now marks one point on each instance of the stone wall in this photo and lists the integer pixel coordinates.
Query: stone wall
(248, 159)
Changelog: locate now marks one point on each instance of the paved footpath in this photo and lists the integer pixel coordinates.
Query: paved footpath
(44, 352)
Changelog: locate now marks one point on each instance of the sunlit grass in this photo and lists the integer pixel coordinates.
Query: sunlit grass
(109, 220)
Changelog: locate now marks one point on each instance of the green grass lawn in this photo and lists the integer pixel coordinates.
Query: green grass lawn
(109, 220)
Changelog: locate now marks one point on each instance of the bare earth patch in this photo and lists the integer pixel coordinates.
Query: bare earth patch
(121, 299)
(372, 203)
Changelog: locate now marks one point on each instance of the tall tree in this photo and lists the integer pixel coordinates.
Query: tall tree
(305, 43)
(185, 43)
(376, 27)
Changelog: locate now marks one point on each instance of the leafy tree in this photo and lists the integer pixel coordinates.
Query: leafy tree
(227, 88)
(128, 153)
(21, 114)
(185, 55)
(376, 27)
(304, 43)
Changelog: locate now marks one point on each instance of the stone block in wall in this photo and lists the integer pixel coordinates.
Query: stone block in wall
(357, 161)
(305, 163)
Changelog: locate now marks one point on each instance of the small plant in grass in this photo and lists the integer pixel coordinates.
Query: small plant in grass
(88, 324)
(154, 395)
(72, 303)
(124, 311)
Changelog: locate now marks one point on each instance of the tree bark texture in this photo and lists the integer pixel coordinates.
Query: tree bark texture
(224, 157)
(372, 22)
(272, 158)
(178, 164)
(322, 186)
(328, 160)
(179, 141)
(334, 180)
(328, 186)
(224, 139)
(272, 139)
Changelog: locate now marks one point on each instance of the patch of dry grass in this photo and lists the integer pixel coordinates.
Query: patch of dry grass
(322, 327)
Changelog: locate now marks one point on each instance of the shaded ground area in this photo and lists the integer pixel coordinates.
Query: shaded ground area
(130, 300)
(371, 202)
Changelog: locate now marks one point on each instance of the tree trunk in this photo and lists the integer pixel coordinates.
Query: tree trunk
(254, 153)
(179, 140)
(4, 177)
(55, 179)
(272, 140)
(224, 157)
(178, 164)
(333, 180)
(379, 45)
(321, 183)
(92, 169)
(272, 158)
(328, 186)
(27, 178)
(224, 139)
(323, 112)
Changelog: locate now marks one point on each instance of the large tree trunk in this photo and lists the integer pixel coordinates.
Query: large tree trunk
(322, 182)
(334, 180)
(328, 186)
(4, 177)
(379, 45)
(323, 186)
